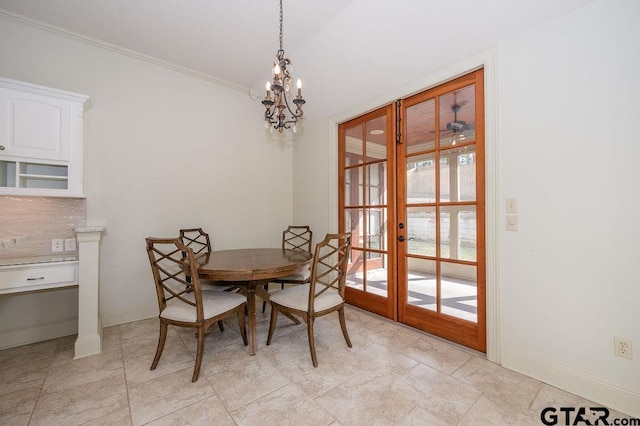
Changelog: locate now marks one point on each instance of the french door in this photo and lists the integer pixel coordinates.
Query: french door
(412, 194)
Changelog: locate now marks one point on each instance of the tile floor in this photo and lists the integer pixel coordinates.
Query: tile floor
(393, 375)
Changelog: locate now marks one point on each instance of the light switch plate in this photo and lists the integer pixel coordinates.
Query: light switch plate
(512, 222)
(69, 244)
(512, 207)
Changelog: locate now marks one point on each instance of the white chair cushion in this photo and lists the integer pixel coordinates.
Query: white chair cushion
(298, 298)
(299, 277)
(214, 303)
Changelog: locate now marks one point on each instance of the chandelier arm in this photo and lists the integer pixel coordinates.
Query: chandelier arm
(296, 115)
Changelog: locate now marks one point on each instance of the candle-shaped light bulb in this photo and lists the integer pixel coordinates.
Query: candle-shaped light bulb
(299, 85)
(276, 69)
(268, 87)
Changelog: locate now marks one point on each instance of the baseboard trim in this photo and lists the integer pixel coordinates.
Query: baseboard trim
(594, 389)
(38, 332)
(136, 313)
(91, 345)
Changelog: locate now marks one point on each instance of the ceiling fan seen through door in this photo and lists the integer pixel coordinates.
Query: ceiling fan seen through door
(457, 127)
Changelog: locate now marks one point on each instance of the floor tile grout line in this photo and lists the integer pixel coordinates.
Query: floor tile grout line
(124, 369)
(471, 406)
(33, 410)
(44, 380)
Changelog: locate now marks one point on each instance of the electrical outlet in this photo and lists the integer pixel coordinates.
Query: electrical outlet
(622, 347)
(512, 207)
(69, 244)
(57, 245)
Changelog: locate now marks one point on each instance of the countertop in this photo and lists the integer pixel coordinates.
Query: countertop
(14, 261)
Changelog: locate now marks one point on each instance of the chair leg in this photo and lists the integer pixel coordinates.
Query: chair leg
(221, 325)
(200, 350)
(161, 340)
(264, 302)
(242, 324)
(243, 291)
(343, 326)
(312, 343)
(272, 323)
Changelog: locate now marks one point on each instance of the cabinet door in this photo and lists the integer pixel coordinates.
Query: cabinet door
(34, 126)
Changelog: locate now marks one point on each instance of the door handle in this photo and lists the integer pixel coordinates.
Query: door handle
(401, 238)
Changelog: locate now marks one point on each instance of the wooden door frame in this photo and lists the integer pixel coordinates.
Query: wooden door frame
(384, 306)
(493, 220)
(471, 334)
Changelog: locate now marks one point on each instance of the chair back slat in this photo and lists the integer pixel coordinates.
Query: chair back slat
(175, 273)
(297, 237)
(329, 267)
(196, 239)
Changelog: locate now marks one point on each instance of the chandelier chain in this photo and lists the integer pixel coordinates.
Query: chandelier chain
(280, 24)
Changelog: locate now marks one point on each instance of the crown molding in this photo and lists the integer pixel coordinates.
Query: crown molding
(121, 50)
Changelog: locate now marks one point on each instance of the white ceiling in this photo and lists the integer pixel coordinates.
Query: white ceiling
(356, 49)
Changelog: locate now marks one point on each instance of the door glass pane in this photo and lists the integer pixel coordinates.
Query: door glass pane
(422, 286)
(376, 133)
(459, 289)
(354, 147)
(376, 229)
(458, 233)
(457, 116)
(353, 189)
(458, 174)
(421, 127)
(377, 274)
(467, 174)
(445, 177)
(376, 184)
(421, 179)
(355, 270)
(353, 223)
(421, 231)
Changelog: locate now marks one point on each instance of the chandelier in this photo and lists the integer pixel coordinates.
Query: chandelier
(278, 114)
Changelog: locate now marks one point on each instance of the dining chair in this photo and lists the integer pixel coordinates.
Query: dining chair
(182, 302)
(323, 294)
(199, 241)
(295, 237)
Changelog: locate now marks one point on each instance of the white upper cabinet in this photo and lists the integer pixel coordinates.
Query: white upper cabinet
(41, 140)
(35, 126)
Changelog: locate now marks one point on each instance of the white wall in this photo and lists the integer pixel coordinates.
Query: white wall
(567, 150)
(163, 150)
(569, 153)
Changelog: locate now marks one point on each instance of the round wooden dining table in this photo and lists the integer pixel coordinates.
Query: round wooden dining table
(252, 268)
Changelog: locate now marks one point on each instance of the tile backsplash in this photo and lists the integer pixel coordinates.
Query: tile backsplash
(28, 224)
